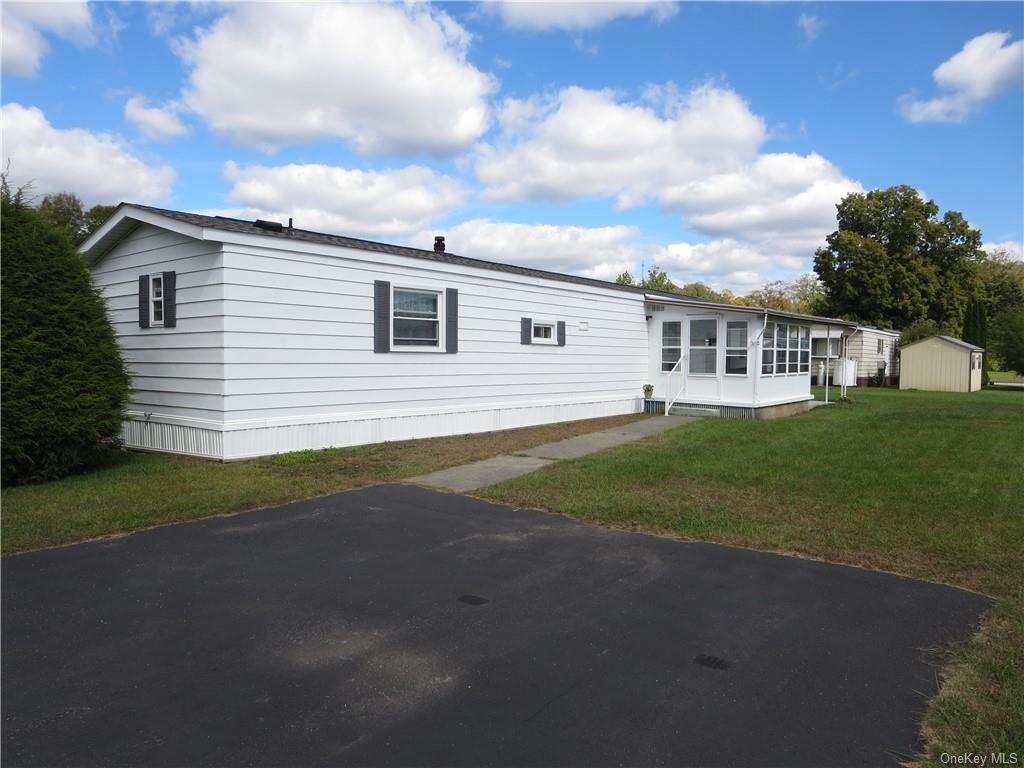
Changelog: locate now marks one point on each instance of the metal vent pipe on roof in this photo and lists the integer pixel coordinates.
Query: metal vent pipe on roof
(439, 244)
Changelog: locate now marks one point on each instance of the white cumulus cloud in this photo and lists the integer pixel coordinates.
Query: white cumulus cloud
(1015, 249)
(98, 167)
(581, 143)
(376, 204)
(384, 79)
(542, 15)
(985, 67)
(156, 123)
(697, 153)
(26, 24)
(598, 252)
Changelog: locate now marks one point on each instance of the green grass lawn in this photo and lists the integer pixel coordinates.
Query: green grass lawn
(137, 490)
(924, 484)
(1011, 377)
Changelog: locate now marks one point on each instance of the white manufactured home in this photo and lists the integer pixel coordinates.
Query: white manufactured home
(250, 338)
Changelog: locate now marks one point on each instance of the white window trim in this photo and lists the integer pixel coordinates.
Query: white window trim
(552, 324)
(441, 316)
(746, 351)
(153, 323)
(718, 347)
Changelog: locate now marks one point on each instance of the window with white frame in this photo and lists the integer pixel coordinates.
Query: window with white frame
(671, 344)
(786, 349)
(880, 346)
(543, 333)
(156, 299)
(703, 347)
(736, 348)
(819, 347)
(768, 350)
(415, 318)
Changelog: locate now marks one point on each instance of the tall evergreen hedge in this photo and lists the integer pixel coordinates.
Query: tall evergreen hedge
(64, 383)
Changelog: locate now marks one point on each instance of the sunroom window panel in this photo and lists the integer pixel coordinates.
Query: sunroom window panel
(704, 347)
(736, 365)
(767, 358)
(702, 361)
(805, 362)
(769, 336)
(671, 345)
(805, 338)
(780, 336)
(793, 360)
(703, 333)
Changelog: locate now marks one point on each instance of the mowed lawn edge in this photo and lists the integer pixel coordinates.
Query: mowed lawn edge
(926, 485)
(137, 490)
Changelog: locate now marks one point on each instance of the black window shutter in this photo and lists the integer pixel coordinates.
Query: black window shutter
(170, 300)
(526, 331)
(143, 301)
(451, 310)
(560, 330)
(381, 316)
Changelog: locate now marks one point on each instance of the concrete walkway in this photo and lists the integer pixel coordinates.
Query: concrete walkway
(470, 477)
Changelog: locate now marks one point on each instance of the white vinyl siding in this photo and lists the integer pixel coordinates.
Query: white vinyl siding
(299, 339)
(177, 373)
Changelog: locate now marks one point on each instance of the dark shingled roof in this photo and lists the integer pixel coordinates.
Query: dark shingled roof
(249, 228)
(245, 227)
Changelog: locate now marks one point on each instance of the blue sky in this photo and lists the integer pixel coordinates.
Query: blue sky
(710, 139)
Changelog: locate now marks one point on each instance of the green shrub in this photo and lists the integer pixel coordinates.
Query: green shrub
(1008, 338)
(63, 380)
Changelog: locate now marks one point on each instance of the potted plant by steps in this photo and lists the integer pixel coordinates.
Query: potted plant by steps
(648, 391)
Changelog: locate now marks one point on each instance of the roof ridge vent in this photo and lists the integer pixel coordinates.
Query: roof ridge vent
(270, 226)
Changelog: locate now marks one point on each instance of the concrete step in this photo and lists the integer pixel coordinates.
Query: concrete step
(682, 410)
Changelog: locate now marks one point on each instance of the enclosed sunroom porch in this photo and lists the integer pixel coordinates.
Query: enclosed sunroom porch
(744, 362)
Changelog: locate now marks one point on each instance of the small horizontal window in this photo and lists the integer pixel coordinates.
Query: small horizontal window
(542, 331)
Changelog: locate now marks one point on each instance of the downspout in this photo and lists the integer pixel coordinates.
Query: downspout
(828, 345)
(758, 345)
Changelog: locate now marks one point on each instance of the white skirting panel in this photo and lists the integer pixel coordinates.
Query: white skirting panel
(173, 438)
(267, 440)
(234, 441)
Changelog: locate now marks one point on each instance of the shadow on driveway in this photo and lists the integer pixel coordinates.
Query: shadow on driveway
(399, 626)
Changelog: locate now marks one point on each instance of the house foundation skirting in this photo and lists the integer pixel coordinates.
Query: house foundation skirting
(761, 412)
(239, 440)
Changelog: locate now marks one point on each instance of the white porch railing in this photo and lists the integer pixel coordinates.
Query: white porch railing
(676, 368)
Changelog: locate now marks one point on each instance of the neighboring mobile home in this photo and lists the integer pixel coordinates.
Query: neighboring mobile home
(941, 364)
(856, 354)
(251, 338)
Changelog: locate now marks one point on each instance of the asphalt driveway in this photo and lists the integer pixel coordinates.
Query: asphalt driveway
(399, 626)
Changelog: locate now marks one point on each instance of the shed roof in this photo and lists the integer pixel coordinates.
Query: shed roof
(117, 227)
(949, 340)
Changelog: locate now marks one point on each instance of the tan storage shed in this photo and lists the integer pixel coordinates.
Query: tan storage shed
(941, 364)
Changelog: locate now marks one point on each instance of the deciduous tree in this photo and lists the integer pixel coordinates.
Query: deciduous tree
(892, 261)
